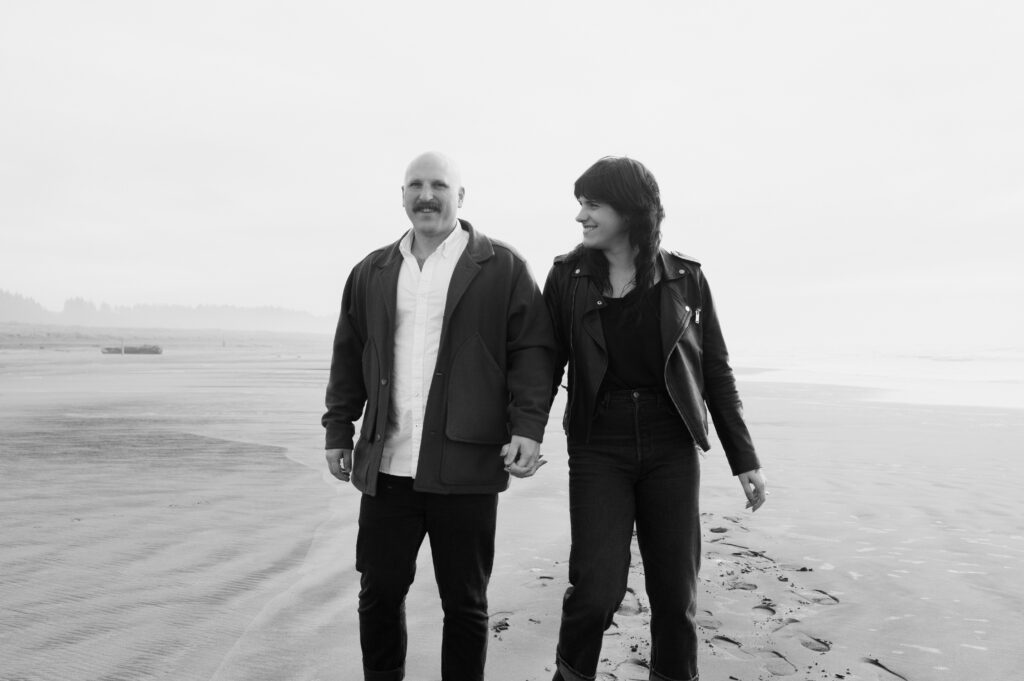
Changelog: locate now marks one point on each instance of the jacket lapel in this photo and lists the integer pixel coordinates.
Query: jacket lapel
(465, 271)
(675, 313)
(592, 313)
(477, 250)
(389, 267)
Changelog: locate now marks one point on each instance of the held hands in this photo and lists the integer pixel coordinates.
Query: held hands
(522, 456)
(753, 484)
(340, 463)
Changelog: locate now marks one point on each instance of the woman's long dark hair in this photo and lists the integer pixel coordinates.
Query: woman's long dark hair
(630, 188)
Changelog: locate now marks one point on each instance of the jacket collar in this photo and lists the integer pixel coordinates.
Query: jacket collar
(671, 265)
(478, 249)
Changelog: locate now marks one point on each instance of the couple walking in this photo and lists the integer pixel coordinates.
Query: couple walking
(449, 356)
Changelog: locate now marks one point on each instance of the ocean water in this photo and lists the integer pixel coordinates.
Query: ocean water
(984, 378)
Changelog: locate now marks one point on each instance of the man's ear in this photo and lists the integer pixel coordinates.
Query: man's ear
(462, 194)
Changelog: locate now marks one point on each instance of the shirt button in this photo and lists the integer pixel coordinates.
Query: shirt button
(600, 302)
(384, 381)
(682, 271)
(687, 308)
(576, 272)
(378, 437)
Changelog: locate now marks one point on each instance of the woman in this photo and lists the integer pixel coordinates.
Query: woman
(637, 326)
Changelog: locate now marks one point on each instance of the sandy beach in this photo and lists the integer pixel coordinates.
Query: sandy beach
(170, 517)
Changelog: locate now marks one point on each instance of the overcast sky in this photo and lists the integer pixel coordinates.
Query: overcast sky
(846, 171)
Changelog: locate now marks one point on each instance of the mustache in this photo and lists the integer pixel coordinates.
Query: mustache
(429, 204)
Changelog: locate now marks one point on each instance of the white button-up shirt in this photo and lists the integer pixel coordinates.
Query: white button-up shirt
(422, 294)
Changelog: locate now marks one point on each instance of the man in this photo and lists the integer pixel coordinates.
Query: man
(445, 339)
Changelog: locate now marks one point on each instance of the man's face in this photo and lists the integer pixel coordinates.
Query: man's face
(432, 194)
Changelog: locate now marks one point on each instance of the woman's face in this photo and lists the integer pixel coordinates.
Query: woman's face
(603, 227)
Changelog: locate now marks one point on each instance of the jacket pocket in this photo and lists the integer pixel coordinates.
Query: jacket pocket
(478, 396)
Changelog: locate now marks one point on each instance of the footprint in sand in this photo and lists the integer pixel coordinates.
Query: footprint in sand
(818, 645)
(875, 662)
(744, 586)
(765, 610)
(719, 530)
(708, 621)
(776, 663)
(819, 596)
(540, 581)
(499, 624)
(785, 623)
(730, 647)
(634, 669)
(630, 606)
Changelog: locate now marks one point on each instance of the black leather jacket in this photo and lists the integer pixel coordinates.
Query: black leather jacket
(697, 371)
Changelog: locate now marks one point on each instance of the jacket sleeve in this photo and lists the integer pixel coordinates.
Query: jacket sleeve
(721, 395)
(554, 299)
(346, 390)
(530, 348)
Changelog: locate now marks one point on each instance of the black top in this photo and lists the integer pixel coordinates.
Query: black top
(632, 334)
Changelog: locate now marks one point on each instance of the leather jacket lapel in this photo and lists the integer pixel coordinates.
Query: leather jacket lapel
(675, 315)
(591, 318)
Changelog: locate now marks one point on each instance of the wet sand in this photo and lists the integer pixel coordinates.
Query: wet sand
(170, 517)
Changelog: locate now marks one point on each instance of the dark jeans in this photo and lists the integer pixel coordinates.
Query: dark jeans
(641, 467)
(392, 525)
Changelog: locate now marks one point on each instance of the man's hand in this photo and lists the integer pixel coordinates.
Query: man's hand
(753, 484)
(522, 456)
(340, 463)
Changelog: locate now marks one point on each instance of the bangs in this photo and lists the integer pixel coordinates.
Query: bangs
(601, 183)
(622, 183)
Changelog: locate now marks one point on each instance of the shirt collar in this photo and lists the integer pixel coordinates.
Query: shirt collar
(455, 240)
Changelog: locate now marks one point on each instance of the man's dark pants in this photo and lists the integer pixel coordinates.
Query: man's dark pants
(392, 525)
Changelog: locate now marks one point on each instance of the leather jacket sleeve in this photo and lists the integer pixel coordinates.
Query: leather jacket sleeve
(721, 395)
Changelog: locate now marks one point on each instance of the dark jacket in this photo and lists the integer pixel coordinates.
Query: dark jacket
(696, 361)
(492, 378)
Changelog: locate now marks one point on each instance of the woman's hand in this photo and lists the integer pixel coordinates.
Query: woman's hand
(522, 456)
(753, 483)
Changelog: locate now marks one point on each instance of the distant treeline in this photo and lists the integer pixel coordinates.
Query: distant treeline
(81, 312)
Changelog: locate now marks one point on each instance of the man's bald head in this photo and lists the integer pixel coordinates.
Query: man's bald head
(435, 161)
(432, 193)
